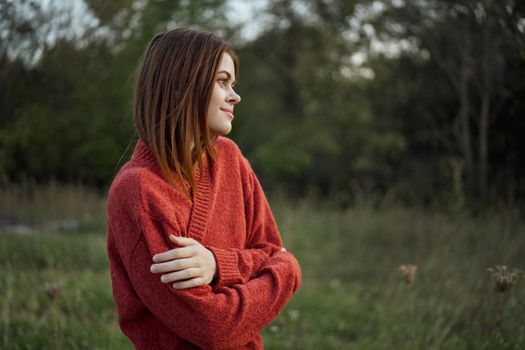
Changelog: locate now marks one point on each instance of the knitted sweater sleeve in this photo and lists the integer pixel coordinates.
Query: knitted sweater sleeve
(241, 265)
(226, 317)
(211, 318)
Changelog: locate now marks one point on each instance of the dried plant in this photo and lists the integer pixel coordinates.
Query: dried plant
(52, 290)
(294, 315)
(274, 329)
(504, 278)
(408, 273)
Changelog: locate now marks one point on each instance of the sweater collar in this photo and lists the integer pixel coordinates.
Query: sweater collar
(142, 152)
(203, 189)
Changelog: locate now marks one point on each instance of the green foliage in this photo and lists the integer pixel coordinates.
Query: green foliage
(310, 118)
(311, 125)
(471, 52)
(69, 117)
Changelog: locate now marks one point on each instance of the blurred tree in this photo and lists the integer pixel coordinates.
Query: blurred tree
(418, 100)
(305, 117)
(19, 28)
(67, 117)
(476, 44)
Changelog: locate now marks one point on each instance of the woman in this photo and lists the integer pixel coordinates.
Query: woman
(196, 258)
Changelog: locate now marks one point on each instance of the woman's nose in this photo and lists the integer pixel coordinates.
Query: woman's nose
(234, 98)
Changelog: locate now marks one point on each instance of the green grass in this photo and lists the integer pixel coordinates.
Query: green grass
(351, 297)
(81, 317)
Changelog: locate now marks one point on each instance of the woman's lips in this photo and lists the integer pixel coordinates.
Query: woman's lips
(229, 112)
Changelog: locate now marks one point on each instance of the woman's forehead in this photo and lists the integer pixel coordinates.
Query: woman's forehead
(227, 64)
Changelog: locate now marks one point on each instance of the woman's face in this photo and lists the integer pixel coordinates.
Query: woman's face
(223, 98)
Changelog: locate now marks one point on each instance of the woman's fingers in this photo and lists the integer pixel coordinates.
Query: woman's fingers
(189, 266)
(173, 265)
(195, 282)
(180, 275)
(176, 253)
(182, 241)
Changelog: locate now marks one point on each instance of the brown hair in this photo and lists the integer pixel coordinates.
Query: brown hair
(173, 87)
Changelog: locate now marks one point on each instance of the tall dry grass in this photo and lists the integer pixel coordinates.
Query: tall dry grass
(29, 208)
(352, 296)
(32, 202)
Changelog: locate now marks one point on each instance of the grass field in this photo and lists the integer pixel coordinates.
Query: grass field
(352, 296)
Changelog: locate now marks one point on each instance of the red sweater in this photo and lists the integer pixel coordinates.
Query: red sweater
(230, 216)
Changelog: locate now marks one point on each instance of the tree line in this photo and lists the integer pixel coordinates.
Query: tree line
(418, 101)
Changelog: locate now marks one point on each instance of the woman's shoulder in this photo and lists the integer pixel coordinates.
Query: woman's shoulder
(231, 157)
(142, 188)
(228, 152)
(125, 183)
(228, 146)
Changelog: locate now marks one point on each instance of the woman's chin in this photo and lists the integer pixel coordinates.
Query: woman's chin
(222, 131)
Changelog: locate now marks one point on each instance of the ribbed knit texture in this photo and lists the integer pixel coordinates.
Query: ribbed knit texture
(230, 216)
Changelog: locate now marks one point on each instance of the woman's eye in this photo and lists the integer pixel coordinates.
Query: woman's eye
(222, 81)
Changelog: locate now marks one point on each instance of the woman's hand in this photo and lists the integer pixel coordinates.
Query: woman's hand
(191, 265)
